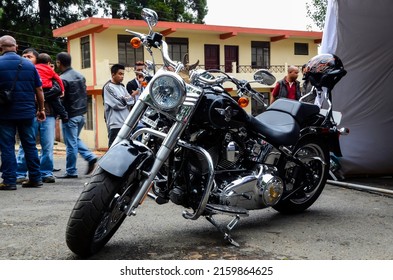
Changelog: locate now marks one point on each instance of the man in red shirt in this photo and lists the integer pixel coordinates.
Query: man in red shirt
(289, 87)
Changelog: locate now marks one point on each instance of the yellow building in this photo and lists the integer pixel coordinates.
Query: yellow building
(97, 43)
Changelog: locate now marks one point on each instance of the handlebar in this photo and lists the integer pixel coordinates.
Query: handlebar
(137, 34)
(206, 79)
(154, 40)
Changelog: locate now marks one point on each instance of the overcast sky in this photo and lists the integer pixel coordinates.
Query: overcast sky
(275, 14)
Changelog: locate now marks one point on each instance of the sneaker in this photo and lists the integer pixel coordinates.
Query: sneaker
(91, 166)
(67, 176)
(29, 184)
(21, 180)
(49, 179)
(7, 187)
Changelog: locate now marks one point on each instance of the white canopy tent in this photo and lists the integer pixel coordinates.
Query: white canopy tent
(361, 33)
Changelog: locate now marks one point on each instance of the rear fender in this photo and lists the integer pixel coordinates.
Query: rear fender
(124, 156)
(334, 144)
(331, 136)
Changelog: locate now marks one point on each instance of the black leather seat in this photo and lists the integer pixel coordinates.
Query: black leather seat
(299, 110)
(279, 128)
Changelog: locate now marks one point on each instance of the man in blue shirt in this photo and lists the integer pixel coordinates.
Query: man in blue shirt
(20, 76)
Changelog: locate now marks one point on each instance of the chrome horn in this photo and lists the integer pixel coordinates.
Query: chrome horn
(186, 62)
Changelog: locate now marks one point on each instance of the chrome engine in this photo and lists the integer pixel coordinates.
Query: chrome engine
(236, 186)
(255, 191)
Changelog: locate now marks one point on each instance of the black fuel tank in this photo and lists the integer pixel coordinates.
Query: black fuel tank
(221, 111)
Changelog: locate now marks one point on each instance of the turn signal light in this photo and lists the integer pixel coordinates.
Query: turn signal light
(243, 102)
(136, 42)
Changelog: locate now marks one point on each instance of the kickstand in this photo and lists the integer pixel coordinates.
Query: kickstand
(226, 229)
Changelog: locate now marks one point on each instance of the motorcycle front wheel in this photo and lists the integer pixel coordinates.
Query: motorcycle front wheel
(314, 153)
(98, 213)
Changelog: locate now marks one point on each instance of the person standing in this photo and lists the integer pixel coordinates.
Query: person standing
(75, 103)
(136, 86)
(19, 75)
(48, 78)
(116, 102)
(46, 130)
(289, 87)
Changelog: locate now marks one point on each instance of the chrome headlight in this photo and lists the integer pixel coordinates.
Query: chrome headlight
(167, 91)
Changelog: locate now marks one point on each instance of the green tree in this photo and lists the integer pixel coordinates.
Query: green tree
(31, 21)
(193, 11)
(316, 10)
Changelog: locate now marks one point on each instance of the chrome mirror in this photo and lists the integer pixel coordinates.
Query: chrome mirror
(263, 76)
(150, 17)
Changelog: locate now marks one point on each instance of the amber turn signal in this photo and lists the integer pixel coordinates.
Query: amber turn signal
(243, 102)
(136, 42)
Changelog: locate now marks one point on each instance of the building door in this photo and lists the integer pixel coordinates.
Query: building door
(231, 55)
(212, 57)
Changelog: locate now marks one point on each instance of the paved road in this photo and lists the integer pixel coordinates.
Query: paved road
(342, 224)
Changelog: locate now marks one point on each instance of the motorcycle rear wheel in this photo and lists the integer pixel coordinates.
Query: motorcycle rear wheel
(307, 149)
(97, 214)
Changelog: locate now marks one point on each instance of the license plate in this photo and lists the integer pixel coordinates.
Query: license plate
(149, 122)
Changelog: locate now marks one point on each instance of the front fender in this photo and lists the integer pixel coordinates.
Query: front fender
(124, 156)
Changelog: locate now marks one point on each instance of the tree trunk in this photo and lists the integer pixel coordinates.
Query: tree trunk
(45, 18)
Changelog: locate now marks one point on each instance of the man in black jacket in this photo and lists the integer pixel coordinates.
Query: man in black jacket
(75, 103)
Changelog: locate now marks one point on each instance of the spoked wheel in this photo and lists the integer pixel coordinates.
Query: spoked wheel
(314, 153)
(98, 213)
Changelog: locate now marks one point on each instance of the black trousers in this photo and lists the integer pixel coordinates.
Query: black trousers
(112, 133)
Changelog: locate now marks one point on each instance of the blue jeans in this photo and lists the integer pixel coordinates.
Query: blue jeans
(46, 130)
(74, 144)
(26, 132)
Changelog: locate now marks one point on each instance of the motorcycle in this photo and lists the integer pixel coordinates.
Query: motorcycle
(200, 149)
